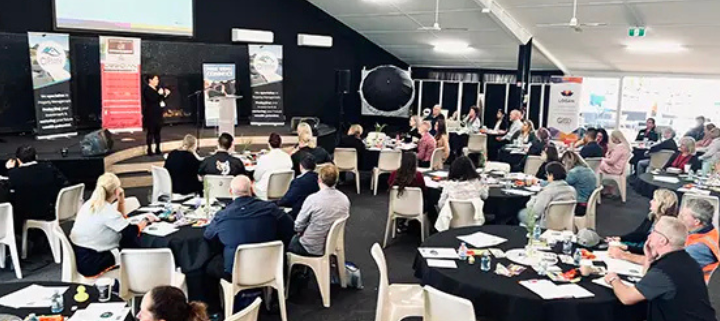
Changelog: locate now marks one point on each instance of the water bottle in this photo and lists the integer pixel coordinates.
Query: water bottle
(462, 251)
(567, 246)
(536, 232)
(32, 317)
(56, 303)
(485, 262)
(542, 268)
(577, 257)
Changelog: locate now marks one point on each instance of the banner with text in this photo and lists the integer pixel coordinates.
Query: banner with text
(266, 80)
(564, 107)
(121, 83)
(50, 67)
(219, 89)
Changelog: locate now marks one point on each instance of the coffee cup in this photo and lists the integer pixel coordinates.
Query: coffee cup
(104, 287)
(586, 267)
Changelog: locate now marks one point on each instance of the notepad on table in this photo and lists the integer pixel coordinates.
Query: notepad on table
(443, 264)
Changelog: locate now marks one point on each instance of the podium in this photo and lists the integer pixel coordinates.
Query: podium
(228, 111)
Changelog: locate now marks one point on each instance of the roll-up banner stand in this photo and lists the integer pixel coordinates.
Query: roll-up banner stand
(266, 80)
(121, 83)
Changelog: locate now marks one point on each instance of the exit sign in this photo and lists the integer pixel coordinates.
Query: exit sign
(637, 32)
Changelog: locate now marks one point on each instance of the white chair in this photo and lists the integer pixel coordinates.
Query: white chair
(142, 270)
(590, 218)
(162, 183)
(321, 265)
(278, 184)
(659, 159)
(463, 213)
(218, 186)
(436, 161)
(7, 238)
(621, 180)
(256, 266)
(131, 204)
(408, 206)
(395, 301)
(453, 124)
(560, 216)
(67, 206)
(714, 200)
(440, 306)
(69, 273)
(346, 160)
(532, 164)
(388, 161)
(477, 143)
(593, 162)
(250, 313)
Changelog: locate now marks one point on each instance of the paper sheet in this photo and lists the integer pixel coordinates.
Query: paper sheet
(150, 209)
(601, 281)
(619, 266)
(137, 218)
(534, 188)
(429, 183)
(480, 239)
(438, 253)
(441, 174)
(444, 264)
(693, 191)
(117, 311)
(161, 229)
(576, 291)
(666, 179)
(32, 296)
(517, 192)
(544, 288)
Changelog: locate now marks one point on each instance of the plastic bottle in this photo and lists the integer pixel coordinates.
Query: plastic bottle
(567, 246)
(462, 251)
(577, 257)
(485, 261)
(56, 303)
(537, 231)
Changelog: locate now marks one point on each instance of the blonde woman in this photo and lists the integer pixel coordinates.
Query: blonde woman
(353, 139)
(615, 161)
(100, 228)
(183, 165)
(307, 147)
(413, 133)
(663, 203)
(684, 156)
(304, 128)
(712, 153)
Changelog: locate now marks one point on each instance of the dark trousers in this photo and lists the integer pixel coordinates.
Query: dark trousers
(424, 164)
(153, 133)
(90, 262)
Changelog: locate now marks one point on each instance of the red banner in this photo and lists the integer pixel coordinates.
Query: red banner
(121, 83)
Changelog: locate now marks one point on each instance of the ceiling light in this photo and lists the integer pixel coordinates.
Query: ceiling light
(452, 47)
(486, 10)
(655, 47)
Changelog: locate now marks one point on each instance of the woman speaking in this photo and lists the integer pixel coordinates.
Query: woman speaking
(153, 103)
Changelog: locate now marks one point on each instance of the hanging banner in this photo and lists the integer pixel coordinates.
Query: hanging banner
(266, 80)
(564, 107)
(50, 67)
(219, 91)
(120, 83)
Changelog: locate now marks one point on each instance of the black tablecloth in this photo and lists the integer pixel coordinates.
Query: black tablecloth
(68, 300)
(646, 186)
(504, 299)
(516, 161)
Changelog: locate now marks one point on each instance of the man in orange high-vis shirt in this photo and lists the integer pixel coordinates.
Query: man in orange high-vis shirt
(702, 240)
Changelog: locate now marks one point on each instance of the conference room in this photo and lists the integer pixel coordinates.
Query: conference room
(383, 160)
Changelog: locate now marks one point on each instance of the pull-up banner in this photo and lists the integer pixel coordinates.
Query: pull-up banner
(120, 83)
(266, 80)
(219, 89)
(50, 67)
(564, 108)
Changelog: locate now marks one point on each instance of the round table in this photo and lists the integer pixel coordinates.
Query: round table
(503, 298)
(516, 160)
(645, 185)
(68, 300)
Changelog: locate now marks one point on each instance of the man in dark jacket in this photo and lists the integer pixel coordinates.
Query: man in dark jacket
(591, 147)
(222, 163)
(301, 187)
(668, 143)
(697, 132)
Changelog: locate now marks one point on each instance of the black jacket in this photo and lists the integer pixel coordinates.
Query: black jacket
(222, 163)
(35, 191)
(590, 150)
(183, 167)
(653, 135)
(536, 147)
(349, 141)
(696, 132)
(668, 144)
(300, 188)
(151, 110)
(320, 154)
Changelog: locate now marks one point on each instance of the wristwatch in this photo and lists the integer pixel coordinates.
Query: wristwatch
(612, 279)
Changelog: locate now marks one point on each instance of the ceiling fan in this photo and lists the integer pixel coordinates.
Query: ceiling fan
(574, 24)
(436, 25)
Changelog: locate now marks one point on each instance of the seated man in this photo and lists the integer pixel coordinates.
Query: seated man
(301, 187)
(222, 163)
(557, 189)
(702, 239)
(590, 146)
(275, 160)
(673, 285)
(318, 214)
(668, 143)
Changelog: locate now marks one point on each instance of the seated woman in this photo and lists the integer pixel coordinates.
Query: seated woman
(663, 203)
(527, 133)
(500, 121)
(580, 177)
(413, 134)
(615, 161)
(183, 165)
(707, 138)
(542, 139)
(649, 132)
(408, 176)
(307, 146)
(684, 156)
(442, 141)
(712, 153)
(472, 120)
(603, 139)
(463, 184)
(353, 139)
(168, 303)
(100, 228)
(557, 189)
(549, 155)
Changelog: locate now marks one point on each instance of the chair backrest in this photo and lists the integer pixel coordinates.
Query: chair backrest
(410, 203)
(279, 183)
(333, 238)
(218, 185)
(131, 204)
(318, 167)
(162, 183)
(69, 201)
(532, 164)
(436, 160)
(6, 222)
(560, 216)
(142, 270)
(477, 142)
(346, 158)
(69, 265)
(257, 264)
(383, 284)
(250, 313)
(593, 162)
(714, 200)
(591, 211)
(389, 160)
(452, 124)
(463, 213)
(659, 159)
(440, 306)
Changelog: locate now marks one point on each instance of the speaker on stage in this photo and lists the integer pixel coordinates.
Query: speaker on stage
(342, 81)
(97, 143)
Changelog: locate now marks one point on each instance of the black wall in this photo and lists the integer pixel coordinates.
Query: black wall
(309, 72)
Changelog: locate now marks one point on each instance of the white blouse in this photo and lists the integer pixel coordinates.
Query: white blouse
(99, 231)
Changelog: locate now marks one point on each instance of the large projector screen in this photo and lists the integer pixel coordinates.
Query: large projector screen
(166, 17)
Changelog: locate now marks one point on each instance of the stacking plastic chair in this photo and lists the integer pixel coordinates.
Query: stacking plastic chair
(256, 266)
(395, 301)
(440, 306)
(714, 200)
(436, 161)
(321, 265)
(346, 160)
(560, 216)
(250, 313)
(532, 164)
(67, 206)
(593, 162)
(218, 186)
(162, 183)
(131, 204)
(408, 206)
(463, 213)
(659, 159)
(477, 143)
(279, 183)
(621, 180)
(69, 272)
(142, 270)
(7, 238)
(388, 161)
(590, 218)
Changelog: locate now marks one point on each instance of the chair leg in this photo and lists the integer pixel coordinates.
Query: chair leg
(323, 281)
(287, 279)
(388, 226)
(54, 245)
(340, 255)
(423, 226)
(376, 177)
(24, 241)
(228, 300)
(622, 185)
(15, 260)
(357, 180)
(281, 301)
(2, 255)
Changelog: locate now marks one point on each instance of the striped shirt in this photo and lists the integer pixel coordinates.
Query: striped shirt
(318, 213)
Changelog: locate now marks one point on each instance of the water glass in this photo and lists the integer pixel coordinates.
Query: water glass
(104, 287)
(567, 246)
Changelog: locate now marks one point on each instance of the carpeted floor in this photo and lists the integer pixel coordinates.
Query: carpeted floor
(365, 227)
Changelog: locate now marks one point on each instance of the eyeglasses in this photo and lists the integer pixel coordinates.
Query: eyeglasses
(661, 234)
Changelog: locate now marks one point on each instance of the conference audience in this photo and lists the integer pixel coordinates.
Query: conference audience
(301, 187)
(500, 122)
(434, 116)
(591, 148)
(426, 145)
(34, 187)
(222, 163)
(472, 120)
(712, 152)
(617, 157)
(275, 160)
(549, 155)
(318, 213)
(668, 143)
(557, 189)
(672, 285)
(414, 133)
(307, 146)
(649, 132)
(580, 177)
(603, 139)
(702, 239)
(247, 220)
(698, 131)
(183, 165)
(526, 133)
(463, 184)
(442, 141)
(168, 303)
(537, 145)
(516, 125)
(707, 137)
(684, 156)
(100, 228)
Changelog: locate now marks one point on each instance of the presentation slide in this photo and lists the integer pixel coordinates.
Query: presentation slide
(166, 17)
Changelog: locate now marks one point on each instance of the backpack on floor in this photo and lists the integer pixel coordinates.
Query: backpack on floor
(354, 277)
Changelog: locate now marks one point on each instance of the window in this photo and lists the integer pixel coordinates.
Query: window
(599, 102)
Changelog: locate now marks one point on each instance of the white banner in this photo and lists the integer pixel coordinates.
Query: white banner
(219, 89)
(564, 107)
